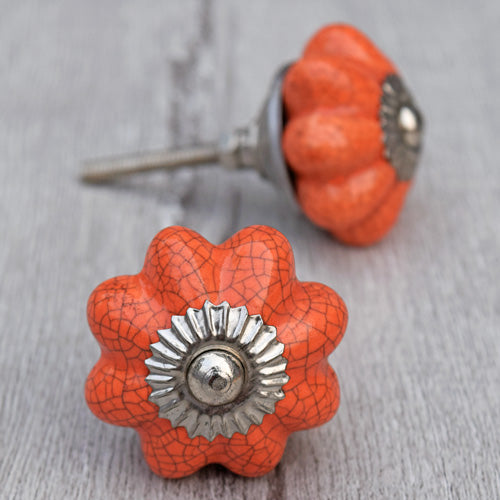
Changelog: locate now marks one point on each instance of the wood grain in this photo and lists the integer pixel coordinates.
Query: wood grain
(419, 366)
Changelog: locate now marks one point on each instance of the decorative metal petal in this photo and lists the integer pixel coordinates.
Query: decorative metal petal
(219, 329)
(402, 126)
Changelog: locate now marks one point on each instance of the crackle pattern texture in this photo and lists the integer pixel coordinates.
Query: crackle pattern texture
(333, 139)
(254, 268)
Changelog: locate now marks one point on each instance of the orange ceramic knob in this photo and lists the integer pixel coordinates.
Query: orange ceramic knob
(352, 135)
(215, 353)
(339, 134)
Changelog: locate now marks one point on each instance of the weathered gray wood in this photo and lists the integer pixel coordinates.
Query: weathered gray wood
(419, 366)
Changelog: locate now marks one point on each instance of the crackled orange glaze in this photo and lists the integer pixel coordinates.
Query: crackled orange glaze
(333, 139)
(254, 268)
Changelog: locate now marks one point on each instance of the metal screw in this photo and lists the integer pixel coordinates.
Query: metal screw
(216, 377)
(234, 151)
(256, 146)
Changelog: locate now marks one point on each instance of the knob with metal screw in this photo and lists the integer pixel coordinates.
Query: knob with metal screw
(221, 368)
(339, 134)
(256, 146)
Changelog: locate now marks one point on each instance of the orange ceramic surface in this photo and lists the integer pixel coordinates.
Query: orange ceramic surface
(333, 139)
(254, 268)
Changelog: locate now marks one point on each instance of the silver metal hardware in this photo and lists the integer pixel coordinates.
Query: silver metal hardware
(402, 125)
(216, 377)
(216, 371)
(256, 146)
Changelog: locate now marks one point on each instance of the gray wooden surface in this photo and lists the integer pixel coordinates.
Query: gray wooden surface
(419, 366)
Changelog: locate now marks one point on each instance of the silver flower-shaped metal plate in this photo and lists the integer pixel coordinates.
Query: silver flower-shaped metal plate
(216, 371)
(402, 126)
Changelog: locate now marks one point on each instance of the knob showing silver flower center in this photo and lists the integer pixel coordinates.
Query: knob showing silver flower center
(216, 377)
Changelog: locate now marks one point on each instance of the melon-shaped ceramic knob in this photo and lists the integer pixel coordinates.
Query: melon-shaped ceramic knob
(215, 353)
(339, 134)
(352, 135)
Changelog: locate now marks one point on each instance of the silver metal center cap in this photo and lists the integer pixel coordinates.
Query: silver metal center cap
(216, 371)
(408, 120)
(402, 125)
(216, 377)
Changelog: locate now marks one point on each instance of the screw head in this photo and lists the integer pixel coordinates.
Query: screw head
(216, 377)
(410, 124)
